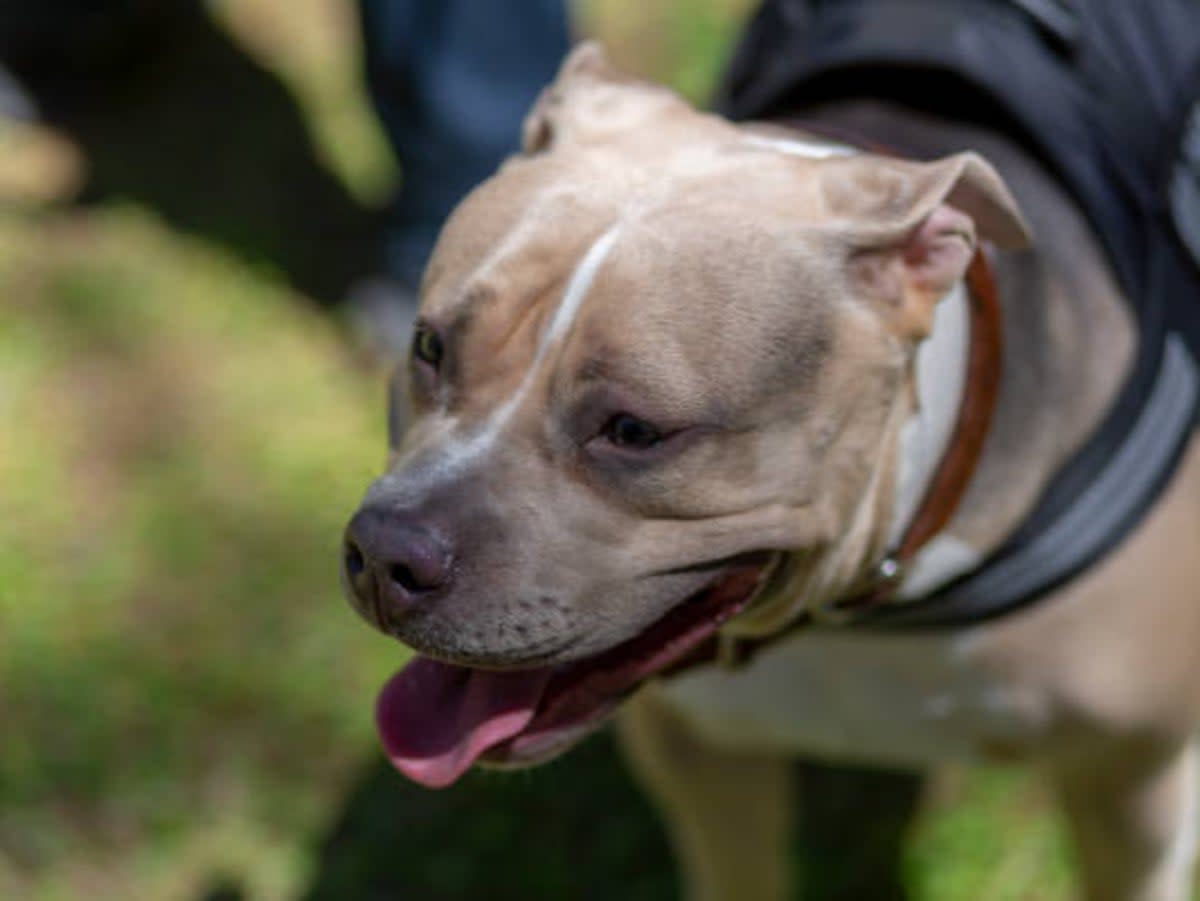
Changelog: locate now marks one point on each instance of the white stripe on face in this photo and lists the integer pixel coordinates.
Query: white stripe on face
(577, 288)
(458, 453)
(813, 150)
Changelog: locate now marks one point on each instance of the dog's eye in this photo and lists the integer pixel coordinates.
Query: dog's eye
(628, 431)
(427, 345)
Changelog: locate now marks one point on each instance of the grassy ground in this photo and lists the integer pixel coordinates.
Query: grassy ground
(184, 698)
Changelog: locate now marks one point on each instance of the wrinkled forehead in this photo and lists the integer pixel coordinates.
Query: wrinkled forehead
(685, 275)
(698, 216)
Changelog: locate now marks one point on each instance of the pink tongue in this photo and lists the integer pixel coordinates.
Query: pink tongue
(435, 718)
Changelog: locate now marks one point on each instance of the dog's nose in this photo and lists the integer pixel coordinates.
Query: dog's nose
(392, 560)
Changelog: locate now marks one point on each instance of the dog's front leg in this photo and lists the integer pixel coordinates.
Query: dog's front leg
(728, 815)
(1134, 815)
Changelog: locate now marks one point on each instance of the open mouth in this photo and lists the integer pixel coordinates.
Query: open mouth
(437, 719)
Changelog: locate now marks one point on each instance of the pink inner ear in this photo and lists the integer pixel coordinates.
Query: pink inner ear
(937, 254)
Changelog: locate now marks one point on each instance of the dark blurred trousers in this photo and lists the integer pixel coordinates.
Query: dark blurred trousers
(451, 81)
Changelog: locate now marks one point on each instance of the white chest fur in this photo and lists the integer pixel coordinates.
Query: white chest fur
(902, 700)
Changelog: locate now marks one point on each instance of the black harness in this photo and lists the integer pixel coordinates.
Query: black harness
(1106, 93)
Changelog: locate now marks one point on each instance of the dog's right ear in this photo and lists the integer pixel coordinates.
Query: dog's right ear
(589, 98)
(912, 227)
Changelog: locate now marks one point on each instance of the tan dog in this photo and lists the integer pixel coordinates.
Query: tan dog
(661, 383)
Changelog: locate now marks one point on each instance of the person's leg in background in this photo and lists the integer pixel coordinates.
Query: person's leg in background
(451, 81)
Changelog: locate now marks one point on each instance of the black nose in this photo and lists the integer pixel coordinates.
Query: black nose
(393, 561)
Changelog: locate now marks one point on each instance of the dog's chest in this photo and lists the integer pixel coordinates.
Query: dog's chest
(885, 699)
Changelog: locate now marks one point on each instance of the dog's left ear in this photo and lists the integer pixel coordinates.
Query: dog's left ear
(912, 227)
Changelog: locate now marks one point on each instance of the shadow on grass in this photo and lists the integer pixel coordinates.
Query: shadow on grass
(576, 829)
(171, 112)
(579, 829)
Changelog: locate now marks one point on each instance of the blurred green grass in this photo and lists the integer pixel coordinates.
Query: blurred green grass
(182, 443)
(184, 696)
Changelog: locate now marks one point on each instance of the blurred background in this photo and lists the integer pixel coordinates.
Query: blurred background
(185, 423)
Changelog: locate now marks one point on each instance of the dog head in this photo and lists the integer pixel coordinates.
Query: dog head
(656, 352)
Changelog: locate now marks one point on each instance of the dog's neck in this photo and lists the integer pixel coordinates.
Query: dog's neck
(916, 439)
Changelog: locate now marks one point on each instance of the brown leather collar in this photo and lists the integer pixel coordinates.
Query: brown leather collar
(953, 474)
(942, 497)
(981, 388)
